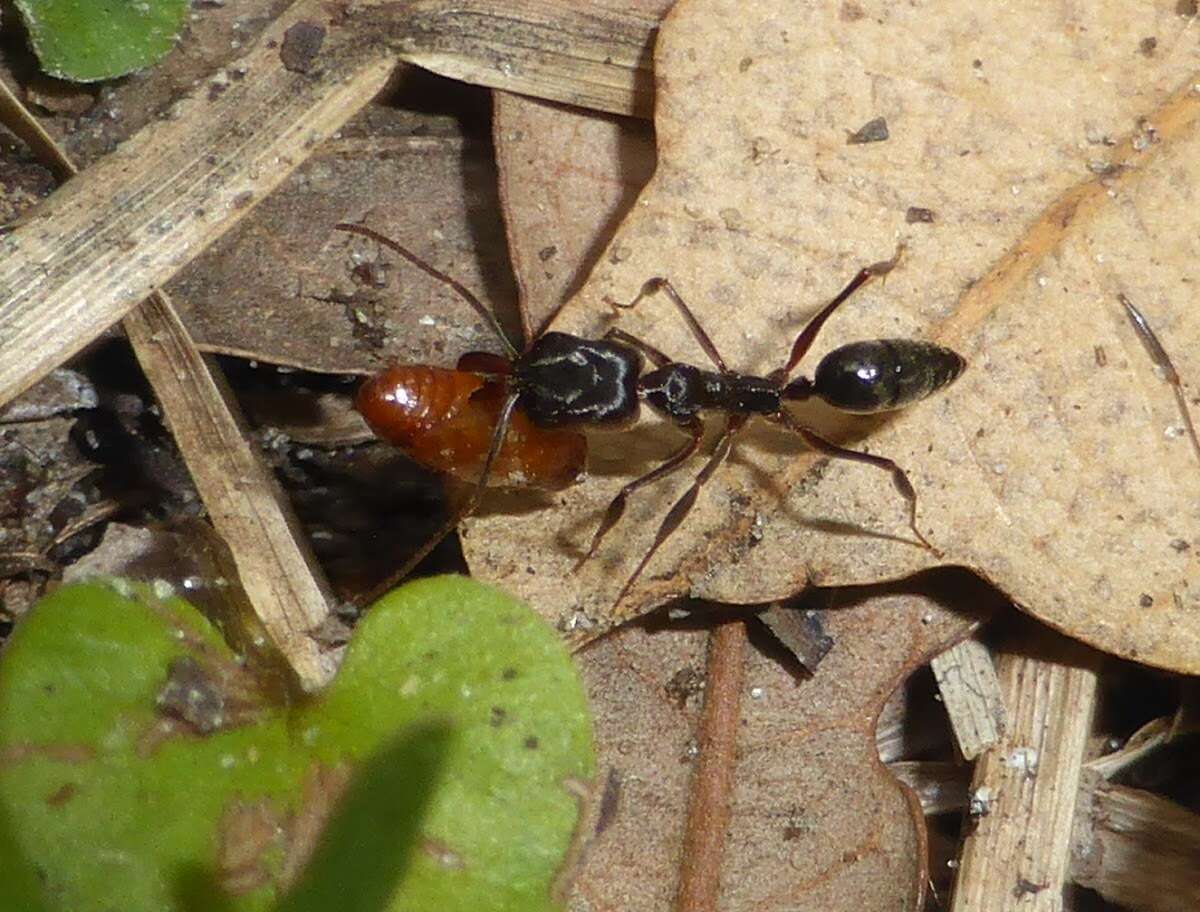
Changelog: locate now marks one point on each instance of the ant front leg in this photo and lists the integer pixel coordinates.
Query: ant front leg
(660, 283)
(616, 507)
(684, 505)
(464, 509)
(809, 333)
(899, 478)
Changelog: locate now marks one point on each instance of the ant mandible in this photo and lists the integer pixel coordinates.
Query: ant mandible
(523, 405)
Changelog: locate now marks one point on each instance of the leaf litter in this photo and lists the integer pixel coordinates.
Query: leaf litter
(765, 151)
(1055, 478)
(284, 287)
(818, 822)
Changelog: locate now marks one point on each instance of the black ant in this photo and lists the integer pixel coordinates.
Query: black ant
(561, 381)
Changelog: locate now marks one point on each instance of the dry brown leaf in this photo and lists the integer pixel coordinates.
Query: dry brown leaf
(567, 178)
(287, 288)
(1052, 467)
(818, 822)
(646, 691)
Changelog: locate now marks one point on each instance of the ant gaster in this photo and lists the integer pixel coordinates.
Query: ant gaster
(562, 381)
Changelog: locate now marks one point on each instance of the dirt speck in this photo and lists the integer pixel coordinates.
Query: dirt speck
(192, 696)
(62, 794)
(873, 131)
(301, 44)
(687, 682)
(851, 12)
(443, 855)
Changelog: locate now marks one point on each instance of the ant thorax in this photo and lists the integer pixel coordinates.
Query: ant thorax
(681, 392)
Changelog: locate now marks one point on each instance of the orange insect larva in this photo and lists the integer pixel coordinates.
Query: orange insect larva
(445, 419)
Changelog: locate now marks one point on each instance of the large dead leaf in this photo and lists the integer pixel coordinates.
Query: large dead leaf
(567, 178)
(818, 822)
(285, 287)
(1053, 467)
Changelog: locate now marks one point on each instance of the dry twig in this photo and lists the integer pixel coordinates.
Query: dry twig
(712, 782)
(971, 695)
(1025, 789)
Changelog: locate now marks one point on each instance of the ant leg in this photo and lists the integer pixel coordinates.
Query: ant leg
(465, 509)
(684, 505)
(809, 333)
(899, 478)
(617, 507)
(659, 283)
(653, 354)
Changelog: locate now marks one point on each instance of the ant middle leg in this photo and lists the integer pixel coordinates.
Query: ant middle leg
(683, 506)
(899, 477)
(660, 283)
(808, 334)
(616, 507)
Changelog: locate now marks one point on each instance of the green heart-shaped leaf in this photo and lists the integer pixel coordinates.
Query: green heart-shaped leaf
(141, 764)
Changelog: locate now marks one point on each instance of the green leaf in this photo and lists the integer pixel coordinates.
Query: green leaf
(89, 40)
(368, 845)
(450, 648)
(456, 708)
(105, 800)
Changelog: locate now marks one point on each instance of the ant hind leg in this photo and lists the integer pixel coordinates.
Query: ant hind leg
(899, 477)
(616, 507)
(684, 505)
(812, 328)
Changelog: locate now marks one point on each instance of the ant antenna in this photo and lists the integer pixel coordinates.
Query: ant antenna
(463, 292)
